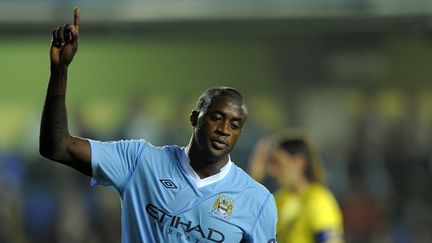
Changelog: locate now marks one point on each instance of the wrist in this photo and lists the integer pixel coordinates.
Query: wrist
(58, 70)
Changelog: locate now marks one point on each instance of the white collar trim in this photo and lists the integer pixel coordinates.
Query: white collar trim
(208, 180)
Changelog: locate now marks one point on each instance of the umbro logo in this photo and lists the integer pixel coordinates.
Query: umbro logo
(168, 184)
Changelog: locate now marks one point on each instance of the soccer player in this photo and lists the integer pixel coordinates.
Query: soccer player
(170, 193)
(307, 210)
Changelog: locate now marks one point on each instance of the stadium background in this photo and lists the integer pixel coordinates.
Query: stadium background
(353, 74)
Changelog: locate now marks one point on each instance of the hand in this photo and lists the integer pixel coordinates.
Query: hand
(64, 42)
(259, 158)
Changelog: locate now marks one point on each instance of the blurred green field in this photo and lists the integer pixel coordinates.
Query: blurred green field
(115, 67)
(107, 72)
(170, 70)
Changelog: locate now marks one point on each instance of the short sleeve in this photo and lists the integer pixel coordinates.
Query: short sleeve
(113, 163)
(326, 219)
(265, 228)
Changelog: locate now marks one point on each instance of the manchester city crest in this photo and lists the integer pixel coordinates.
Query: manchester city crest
(223, 206)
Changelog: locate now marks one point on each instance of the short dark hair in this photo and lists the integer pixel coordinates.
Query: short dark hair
(295, 143)
(210, 94)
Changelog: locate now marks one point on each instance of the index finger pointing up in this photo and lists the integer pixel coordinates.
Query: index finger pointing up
(77, 18)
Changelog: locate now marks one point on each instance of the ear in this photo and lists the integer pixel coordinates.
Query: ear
(194, 118)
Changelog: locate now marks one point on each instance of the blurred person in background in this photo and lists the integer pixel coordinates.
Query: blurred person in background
(170, 193)
(307, 210)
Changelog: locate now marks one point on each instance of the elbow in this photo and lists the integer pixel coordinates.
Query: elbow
(44, 146)
(52, 146)
(44, 149)
(55, 148)
(49, 151)
(46, 152)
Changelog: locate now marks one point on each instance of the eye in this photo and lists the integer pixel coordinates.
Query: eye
(216, 117)
(235, 125)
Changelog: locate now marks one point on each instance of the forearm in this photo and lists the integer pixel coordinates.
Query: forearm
(58, 80)
(54, 130)
(55, 142)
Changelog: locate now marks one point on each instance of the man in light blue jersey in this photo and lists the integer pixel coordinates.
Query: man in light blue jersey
(170, 193)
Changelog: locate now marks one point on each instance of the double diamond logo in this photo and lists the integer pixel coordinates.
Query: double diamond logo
(168, 184)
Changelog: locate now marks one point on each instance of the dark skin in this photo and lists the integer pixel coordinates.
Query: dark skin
(216, 131)
(216, 128)
(55, 141)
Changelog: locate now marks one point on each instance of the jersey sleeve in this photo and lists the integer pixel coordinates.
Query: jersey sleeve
(326, 219)
(114, 162)
(265, 227)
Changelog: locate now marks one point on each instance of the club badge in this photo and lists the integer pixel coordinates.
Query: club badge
(223, 206)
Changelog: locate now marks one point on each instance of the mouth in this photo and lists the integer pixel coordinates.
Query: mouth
(219, 144)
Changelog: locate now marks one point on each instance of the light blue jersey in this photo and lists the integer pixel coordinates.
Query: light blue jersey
(164, 201)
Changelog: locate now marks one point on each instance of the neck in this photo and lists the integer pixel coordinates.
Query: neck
(301, 185)
(203, 164)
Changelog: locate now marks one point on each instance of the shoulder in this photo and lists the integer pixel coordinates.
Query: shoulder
(322, 204)
(323, 211)
(120, 145)
(122, 148)
(164, 153)
(317, 194)
(147, 147)
(139, 148)
(259, 214)
(257, 195)
(246, 183)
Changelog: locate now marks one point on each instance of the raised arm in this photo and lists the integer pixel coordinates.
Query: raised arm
(55, 142)
(258, 159)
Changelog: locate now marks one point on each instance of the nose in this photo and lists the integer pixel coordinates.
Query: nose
(223, 129)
